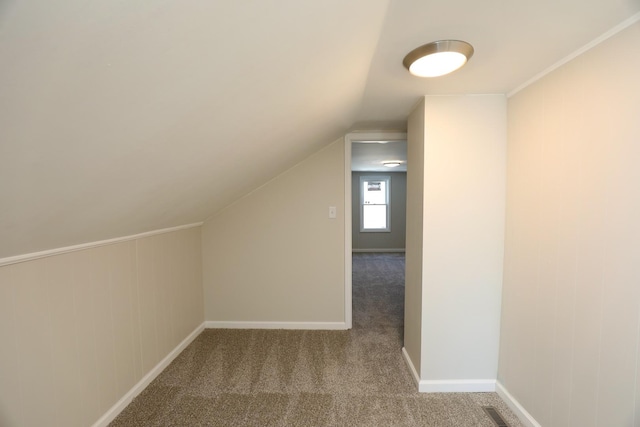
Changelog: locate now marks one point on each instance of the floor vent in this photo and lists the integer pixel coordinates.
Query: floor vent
(495, 416)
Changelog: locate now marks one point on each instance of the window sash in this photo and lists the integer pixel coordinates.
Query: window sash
(375, 212)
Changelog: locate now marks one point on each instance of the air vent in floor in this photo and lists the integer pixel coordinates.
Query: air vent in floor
(495, 416)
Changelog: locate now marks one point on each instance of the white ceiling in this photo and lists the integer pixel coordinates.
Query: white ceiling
(119, 117)
(369, 156)
(514, 40)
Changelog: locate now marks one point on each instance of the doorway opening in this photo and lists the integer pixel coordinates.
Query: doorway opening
(375, 223)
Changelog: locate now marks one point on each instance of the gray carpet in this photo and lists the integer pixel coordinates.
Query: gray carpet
(309, 378)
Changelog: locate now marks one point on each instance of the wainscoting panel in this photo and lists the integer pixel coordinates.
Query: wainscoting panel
(79, 329)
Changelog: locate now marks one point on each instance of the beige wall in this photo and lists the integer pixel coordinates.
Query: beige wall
(79, 330)
(463, 236)
(571, 305)
(413, 255)
(274, 255)
(395, 239)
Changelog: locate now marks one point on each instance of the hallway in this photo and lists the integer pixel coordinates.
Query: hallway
(232, 377)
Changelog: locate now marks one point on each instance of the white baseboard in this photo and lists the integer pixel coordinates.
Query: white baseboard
(217, 324)
(115, 410)
(379, 250)
(448, 386)
(515, 406)
(457, 386)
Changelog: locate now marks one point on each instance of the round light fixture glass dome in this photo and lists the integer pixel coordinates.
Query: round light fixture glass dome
(392, 163)
(438, 58)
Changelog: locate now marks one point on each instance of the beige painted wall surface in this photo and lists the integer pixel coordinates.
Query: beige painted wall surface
(275, 255)
(463, 236)
(413, 254)
(79, 330)
(571, 304)
(395, 239)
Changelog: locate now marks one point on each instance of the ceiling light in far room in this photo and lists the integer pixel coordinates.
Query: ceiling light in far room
(438, 58)
(392, 164)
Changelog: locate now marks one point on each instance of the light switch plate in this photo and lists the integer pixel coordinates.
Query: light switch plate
(332, 212)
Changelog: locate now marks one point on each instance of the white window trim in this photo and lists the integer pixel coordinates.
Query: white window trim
(386, 178)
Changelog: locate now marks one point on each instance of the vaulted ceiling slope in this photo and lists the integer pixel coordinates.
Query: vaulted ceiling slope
(120, 117)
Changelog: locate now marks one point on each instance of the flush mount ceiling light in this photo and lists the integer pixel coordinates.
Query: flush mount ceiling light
(392, 164)
(438, 58)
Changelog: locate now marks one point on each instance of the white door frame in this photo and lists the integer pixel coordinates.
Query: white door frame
(356, 136)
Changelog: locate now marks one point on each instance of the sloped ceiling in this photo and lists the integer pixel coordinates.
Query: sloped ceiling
(119, 117)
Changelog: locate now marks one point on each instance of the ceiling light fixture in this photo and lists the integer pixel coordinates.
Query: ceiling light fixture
(392, 164)
(438, 58)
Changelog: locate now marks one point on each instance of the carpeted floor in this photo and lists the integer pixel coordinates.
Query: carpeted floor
(309, 378)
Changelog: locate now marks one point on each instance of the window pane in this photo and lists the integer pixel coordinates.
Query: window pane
(374, 192)
(374, 217)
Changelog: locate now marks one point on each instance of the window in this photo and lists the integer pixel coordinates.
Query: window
(374, 203)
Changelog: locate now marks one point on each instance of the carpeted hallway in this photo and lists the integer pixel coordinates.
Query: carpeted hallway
(309, 378)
